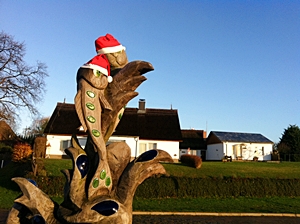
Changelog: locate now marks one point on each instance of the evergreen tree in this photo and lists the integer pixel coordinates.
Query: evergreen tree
(290, 142)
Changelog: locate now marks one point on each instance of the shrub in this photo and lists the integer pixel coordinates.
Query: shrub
(5, 148)
(191, 160)
(52, 185)
(5, 151)
(21, 151)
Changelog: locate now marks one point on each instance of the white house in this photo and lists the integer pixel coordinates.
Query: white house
(193, 143)
(141, 128)
(240, 146)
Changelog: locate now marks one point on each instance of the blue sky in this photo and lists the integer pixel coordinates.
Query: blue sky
(224, 65)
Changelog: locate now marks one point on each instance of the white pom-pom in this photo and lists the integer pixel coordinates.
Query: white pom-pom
(109, 79)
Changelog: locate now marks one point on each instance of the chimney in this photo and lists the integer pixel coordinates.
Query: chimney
(142, 106)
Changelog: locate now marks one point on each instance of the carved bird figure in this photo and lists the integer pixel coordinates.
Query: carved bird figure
(101, 185)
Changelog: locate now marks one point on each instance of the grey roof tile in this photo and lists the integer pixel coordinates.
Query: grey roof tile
(241, 137)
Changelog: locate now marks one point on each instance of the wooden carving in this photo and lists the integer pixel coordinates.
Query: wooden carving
(101, 186)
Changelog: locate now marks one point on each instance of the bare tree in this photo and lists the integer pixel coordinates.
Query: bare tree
(21, 85)
(38, 126)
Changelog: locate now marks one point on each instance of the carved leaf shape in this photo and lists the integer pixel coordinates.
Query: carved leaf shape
(121, 91)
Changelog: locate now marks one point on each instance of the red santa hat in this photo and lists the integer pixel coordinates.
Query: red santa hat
(99, 63)
(108, 44)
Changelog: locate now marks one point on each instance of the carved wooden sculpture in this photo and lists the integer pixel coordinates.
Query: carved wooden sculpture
(101, 186)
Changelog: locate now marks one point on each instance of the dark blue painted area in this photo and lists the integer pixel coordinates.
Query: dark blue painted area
(106, 208)
(33, 182)
(147, 156)
(38, 219)
(82, 164)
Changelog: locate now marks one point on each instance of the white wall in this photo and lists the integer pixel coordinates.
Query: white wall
(214, 152)
(247, 150)
(54, 145)
(172, 147)
(262, 151)
(138, 146)
(131, 142)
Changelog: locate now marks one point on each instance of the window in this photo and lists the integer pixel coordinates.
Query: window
(142, 148)
(65, 144)
(82, 142)
(263, 151)
(113, 141)
(152, 146)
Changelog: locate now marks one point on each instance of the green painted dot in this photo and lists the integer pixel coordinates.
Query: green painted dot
(90, 106)
(98, 73)
(90, 94)
(107, 181)
(102, 174)
(91, 119)
(96, 133)
(95, 183)
(120, 116)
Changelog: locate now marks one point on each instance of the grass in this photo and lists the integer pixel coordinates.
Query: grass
(286, 170)
(7, 197)
(9, 190)
(54, 166)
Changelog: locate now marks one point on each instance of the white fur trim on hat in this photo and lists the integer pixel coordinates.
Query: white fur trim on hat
(96, 67)
(107, 50)
(109, 79)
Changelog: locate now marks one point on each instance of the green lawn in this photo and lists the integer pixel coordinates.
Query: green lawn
(54, 166)
(209, 169)
(9, 190)
(237, 169)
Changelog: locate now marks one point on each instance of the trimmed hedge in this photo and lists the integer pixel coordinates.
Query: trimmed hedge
(165, 187)
(51, 185)
(181, 187)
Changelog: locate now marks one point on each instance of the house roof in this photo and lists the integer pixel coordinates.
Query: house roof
(220, 136)
(6, 133)
(151, 124)
(193, 139)
(63, 121)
